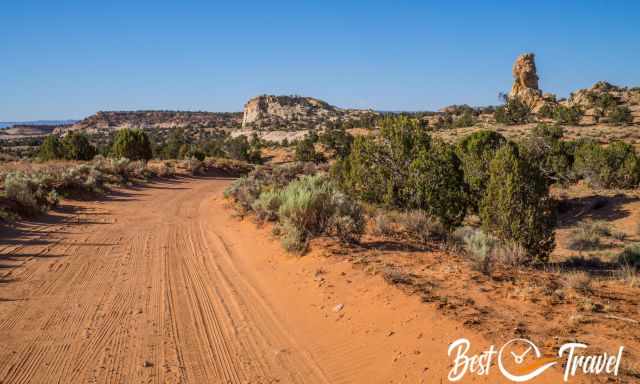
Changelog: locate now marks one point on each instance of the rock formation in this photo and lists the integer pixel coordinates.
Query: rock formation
(268, 107)
(270, 112)
(112, 120)
(525, 84)
(598, 102)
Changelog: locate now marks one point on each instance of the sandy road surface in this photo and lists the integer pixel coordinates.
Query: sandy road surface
(162, 285)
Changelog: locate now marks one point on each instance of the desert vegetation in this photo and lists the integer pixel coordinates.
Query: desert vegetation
(501, 186)
(302, 200)
(482, 204)
(29, 189)
(72, 164)
(36, 190)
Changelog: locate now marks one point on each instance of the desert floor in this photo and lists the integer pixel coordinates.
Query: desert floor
(162, 284)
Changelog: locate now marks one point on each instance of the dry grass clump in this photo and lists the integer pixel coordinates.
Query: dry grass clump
(511, 254)
(486, 252)
(37, 189)
(192, 166)
(629, 275)
(163, 169)
(588, 235)
(579, 281)
(385, 224)
(415, 225)
(139, 170)
(480, 248)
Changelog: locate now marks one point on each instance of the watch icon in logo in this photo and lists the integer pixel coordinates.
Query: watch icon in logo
(520, 360)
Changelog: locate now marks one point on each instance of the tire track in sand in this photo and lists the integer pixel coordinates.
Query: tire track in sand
(146, 294)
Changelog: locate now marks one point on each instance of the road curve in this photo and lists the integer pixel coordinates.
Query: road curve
(160, 284)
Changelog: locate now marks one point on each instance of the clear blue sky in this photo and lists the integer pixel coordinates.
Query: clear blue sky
(69, 59)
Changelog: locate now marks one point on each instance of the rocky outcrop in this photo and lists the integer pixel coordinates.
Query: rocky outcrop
(525, 83)
(287, 108)
(106, 121)
(599, 102)
(268, 112)
(23, 131)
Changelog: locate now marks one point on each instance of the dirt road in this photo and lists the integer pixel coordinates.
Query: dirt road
(162, 285)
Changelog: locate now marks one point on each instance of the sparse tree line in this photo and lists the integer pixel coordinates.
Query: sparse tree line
(136, 144)
(123, 160)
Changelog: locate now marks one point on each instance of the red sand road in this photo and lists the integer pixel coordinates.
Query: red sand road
(163, 285)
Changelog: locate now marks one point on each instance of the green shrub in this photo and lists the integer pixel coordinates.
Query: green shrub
(465, 120)
(293, 239)
(7, 216)
(239, 148)
(517, 207)
(567, 115)
(377, 169)
(591, 162)
(362, 177)
(197, 154)
(82, 177)
(603, 103)
(50, 149)
(171, 149)
(403, 169)
(436, 184)
(630, 256)
(306, 151)
(545, 149)
(513, 112)
(546, 111)
(476, 152)
(480, 247)
(337, 140)
(305, 202)
(313, 206)
(132, 144)
(246, 190)
(76, 146)
(620, 115)
(32, 192)
(267, 205)
(116, 168)
(347, 221)
(214, 148)
(614, 166)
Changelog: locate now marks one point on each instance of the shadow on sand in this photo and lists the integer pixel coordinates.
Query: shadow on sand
(63, 218)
